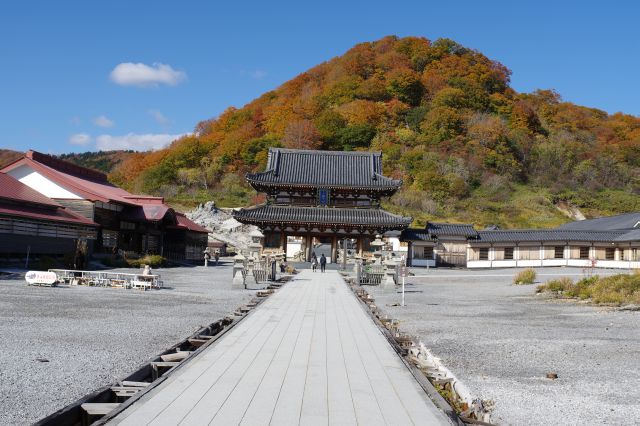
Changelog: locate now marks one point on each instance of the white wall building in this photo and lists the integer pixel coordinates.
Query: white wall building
(608, 242)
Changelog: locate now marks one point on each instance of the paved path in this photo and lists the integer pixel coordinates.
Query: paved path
(308, 355)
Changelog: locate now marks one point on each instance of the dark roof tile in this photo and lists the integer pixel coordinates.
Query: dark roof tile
(413, 234)
(324, 169)
(321, 215)
(541, 235)
(610, 223)
(451, 229)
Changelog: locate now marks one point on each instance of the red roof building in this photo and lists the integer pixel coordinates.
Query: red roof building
(130, 222)
(35, 224)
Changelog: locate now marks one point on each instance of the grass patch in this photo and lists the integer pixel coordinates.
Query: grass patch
(620, 289)
(526, 276)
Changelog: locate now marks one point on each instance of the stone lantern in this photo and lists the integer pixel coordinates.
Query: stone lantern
(377, 245)
(238, 271)
(250, 279)
(255, 247)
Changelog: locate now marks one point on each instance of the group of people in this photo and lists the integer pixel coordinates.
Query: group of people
(207, 256)
(315, 261)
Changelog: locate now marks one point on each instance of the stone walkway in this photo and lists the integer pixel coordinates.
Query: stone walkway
(308, 355)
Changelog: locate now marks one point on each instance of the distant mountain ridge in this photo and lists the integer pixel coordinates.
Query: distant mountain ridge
(104, 161)
(467, 146)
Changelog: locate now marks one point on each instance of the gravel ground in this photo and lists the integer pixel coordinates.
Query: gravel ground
(92, 335)
(501, 340)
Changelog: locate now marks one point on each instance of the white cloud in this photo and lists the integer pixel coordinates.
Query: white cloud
(135, 141)
(159, 117)
(103, 121)
(79, 139)
(258, 74)
(142, 75)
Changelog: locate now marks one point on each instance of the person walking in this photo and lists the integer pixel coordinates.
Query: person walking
(314, 264)
(207, 256)
(216, 256)
(323, 262)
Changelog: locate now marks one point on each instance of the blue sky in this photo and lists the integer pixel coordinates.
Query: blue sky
(60, 90)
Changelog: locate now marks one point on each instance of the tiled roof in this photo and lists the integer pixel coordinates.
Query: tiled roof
(50, 215)
(621, 221)
(540, 235)
(90, 186)
(633, 235)
(13, 189)
(321, 216)
(94, 186)
(17, 199)
(185, 222)
(325, 169)
(451, 229)
(414, 234)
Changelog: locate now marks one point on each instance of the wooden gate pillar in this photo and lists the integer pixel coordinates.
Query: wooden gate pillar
(334, 249)
(308, 247)
(283, 243)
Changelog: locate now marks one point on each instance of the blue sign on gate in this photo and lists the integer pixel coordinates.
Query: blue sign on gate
(323, 197)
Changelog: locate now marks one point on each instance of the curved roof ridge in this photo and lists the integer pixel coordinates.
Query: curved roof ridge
(329, 169)
(321, 151)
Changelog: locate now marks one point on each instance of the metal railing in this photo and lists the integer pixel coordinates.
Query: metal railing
(372, 274)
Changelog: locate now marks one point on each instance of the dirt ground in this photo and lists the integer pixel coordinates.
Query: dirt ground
(501, 340)
(91, 335)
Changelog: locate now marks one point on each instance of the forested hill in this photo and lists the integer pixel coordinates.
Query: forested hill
(104, 161)
(468, 147)
(8, 156)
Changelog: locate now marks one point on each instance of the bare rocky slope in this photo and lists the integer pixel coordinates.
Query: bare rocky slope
(222, 225)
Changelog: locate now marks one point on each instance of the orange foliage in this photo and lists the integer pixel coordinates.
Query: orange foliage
(423, 103)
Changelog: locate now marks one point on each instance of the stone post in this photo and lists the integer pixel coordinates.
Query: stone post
(358, 269)
(280, 258)
(238, 272)
(388, 284)
(250, 279)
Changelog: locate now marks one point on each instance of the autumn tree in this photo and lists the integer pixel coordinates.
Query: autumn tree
(301, 134)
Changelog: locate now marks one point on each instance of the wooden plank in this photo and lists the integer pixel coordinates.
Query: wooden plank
(265, 398)
(308, 354)
(289, 403)
(197, 342)
(176, 357)
(202, 371)
(164, 364)
(217, 395)
(418, 407)
(139, 384)
(315, 407)
(340, 399)
(235, 406)
(365, 404)
(98, 408)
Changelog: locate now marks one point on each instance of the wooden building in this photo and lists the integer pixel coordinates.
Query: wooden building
(439, 244)
(33, 224)
(322, 197)
(129, 222)
(607, 242)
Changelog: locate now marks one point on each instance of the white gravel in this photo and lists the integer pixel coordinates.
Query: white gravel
(92, 335)
(501, 340)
